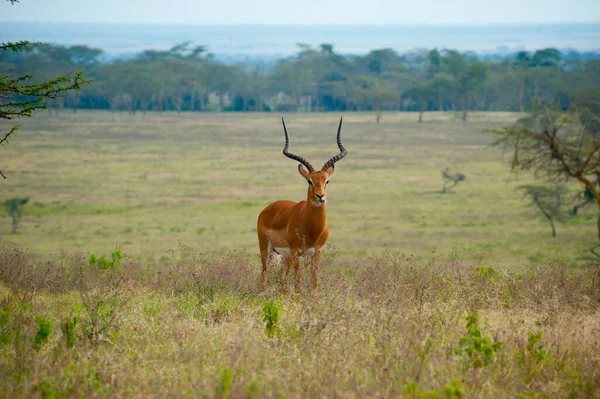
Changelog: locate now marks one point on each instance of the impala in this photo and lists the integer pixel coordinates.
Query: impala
(297, 229)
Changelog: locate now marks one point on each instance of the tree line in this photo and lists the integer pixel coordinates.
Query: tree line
(189, 78)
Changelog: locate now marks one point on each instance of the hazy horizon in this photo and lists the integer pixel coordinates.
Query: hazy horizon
(307, 12)
(264, 41)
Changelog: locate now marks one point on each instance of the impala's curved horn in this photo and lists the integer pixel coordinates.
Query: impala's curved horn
(294, 156)
(339, 156)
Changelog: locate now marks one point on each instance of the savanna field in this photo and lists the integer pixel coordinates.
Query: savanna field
(423, 294)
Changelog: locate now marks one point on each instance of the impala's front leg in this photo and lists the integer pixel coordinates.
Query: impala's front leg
(285, 270)
(315, 261)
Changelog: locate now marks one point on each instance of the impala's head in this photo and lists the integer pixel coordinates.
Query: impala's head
(317, 179)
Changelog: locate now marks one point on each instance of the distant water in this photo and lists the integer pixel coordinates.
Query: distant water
(268, 40)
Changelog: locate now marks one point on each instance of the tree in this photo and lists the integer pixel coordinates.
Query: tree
(556, 146)
(422, 94)
(548, 200)
(451, 179)
(14, 208)
(379, 96)
(468, 75)
(22, 95)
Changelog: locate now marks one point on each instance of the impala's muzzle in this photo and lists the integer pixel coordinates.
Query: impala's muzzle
(321, 198)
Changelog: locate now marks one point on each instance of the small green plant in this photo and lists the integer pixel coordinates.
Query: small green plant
(48, 389)
(453, 390)
(485, 273)
(5, 318)
(102, 310)
(44, 329)
(271, 316)
(104, 263)
(480, 349)
(68, 329)
(205, 293)
(534, 357)
(224, 385)
(14, 208)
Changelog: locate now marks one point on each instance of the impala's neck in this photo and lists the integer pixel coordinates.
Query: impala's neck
(315, 215)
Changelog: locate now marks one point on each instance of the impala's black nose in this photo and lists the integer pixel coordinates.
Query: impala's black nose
(321, 198)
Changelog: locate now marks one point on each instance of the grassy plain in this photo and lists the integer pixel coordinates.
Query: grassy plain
(422, 295)
(144, 183)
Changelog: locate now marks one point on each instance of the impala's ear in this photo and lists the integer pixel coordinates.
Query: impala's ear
(303, 171)
(330, 170)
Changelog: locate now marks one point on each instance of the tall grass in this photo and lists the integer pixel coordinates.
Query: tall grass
(381, 327)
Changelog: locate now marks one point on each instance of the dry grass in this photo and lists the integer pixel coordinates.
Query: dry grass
(384, 327)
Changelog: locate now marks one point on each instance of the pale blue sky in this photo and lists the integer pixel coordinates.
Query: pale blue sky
(303, 12)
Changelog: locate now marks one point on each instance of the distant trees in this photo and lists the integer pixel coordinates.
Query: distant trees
(468, 75)
(188, 78)
(422, 94)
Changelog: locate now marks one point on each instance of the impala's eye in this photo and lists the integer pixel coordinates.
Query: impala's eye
(326, 182)
(309, 182)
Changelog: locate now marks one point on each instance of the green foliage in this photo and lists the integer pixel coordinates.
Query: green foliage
(48, 390)
(6, 316)
(480, 349)
(271, 316)
(24, 94)
(534, 357)
(68, 329)
(556, 146)
(486, 274)
(104, 263)
(454, 390)
(223, 387)
(44, 329)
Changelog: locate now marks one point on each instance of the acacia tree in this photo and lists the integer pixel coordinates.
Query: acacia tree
(21, 95)
(555, 146)
(548, 200)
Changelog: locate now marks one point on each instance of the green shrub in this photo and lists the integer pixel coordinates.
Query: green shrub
(44, 329)
(453, 390)
(271, 316)
(480, 349)
(224, 385)
(104, 263)
(68, 329)
(534, 357)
